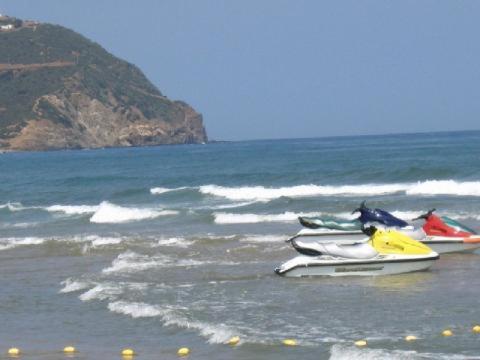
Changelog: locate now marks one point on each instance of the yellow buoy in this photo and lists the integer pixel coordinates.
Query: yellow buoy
(183, 351)
(476, 329)
(234, 340)
(410, 338)
(289, 342)
(128, 352)
(14, 351)
(69, 349)
(361, 343)
(447, 332)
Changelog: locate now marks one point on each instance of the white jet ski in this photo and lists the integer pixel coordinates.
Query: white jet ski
(384, 253)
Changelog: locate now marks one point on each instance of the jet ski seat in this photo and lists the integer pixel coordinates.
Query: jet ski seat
(361, 250)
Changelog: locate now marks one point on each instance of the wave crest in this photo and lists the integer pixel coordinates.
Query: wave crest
(229, 218)
(110, 213)
(261, 193)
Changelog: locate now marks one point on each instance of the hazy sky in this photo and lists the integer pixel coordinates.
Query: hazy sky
(278, 69)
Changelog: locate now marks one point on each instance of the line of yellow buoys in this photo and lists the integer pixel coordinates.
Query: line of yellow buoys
(129, 353)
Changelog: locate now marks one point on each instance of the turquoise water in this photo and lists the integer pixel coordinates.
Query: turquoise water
(162, 247)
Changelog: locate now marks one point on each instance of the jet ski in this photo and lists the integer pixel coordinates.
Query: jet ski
(367, 215)
(386, 252)
(347, 232)
(446, 235)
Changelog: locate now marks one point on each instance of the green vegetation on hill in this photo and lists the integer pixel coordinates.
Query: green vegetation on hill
(78, 64)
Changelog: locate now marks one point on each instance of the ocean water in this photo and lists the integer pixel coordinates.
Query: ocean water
(163, 247)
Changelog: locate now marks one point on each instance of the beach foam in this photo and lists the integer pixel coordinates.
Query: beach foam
(349, 352)
(130, 261)
(70, 285)
(110, 213)
(175, 242)
(445, 187)
(73, 209)
(10, 243)
(229, 218)
(161, 190)
(135, 309)
(13, 206)
(170, 316)
(102, 292)
(111, 290)
(264, 238)
(261, 193)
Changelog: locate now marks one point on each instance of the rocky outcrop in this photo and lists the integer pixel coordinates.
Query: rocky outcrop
(80, 96)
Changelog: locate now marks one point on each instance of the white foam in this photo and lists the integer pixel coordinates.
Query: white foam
(161, 190)
(13, 206)
(176, 242)
(264, 238)
(102, 292)
(111, 213)
(230, 206)
(70, 285)
(170, 316)
(21, 225)
(130, 261)
(349, 352)
(215, 333)
(445, 187)
(229, 218)
(73, 209)
(344, 352)
(97, 241)
(261, 193)
(135, 309)
(232, 218)
(10, 243)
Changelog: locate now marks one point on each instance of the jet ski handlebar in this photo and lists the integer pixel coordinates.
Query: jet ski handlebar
(369, 230)
(360, 208)
(426, 215)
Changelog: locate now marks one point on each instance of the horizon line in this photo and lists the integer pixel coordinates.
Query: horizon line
(347, 136)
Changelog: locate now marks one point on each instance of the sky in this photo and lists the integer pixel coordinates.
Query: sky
(265, 69)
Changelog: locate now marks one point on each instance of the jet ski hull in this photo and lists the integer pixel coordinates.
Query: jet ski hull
(304, 266)
(340, 237)
(443, 245)
(439, 244)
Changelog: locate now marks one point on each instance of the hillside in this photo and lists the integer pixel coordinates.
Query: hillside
(59, 90)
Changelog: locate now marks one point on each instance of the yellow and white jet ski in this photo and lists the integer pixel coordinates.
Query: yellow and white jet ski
(386, 252)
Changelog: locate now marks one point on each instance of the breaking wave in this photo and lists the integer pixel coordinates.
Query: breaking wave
(70, 285)
(129, 262)
(170, 316)
(445, 187)
(229, 218)
(261, 193)
(161, 190)
(232, 218)
(10, 243)
(264, 238)
(111, 290)
(344, 352)
(110, 213)
(13, 206)
(349, 352)
(73, 209)
(175, 241)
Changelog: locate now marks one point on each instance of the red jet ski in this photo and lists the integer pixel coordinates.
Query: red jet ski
(446, 235)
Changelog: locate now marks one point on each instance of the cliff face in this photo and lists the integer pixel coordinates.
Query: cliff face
(59, 90)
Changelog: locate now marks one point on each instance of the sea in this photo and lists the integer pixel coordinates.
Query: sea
(159, 248)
